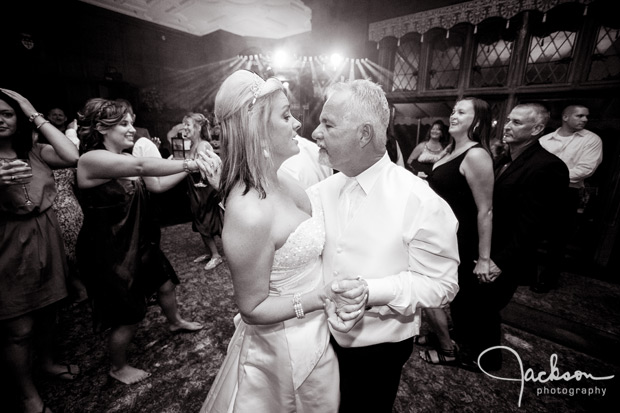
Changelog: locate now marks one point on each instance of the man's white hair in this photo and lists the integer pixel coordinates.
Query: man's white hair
(367, 104)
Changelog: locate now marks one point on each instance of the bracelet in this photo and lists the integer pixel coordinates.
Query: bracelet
(34, 116)
(42, 123)
(299, 311)
(186, 166)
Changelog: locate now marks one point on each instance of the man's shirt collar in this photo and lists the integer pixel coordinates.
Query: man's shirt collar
(368, 178)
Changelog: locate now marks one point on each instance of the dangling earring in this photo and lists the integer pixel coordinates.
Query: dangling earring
(266, 154)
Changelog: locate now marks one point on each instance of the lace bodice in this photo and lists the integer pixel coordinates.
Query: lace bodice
(302, 246)
(300, 255)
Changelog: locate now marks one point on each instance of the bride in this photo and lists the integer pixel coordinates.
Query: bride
(279, 358)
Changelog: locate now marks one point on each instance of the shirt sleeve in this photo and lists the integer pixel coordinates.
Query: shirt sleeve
(431, 278)
(590, 157)
(145, 148)
(71, 134)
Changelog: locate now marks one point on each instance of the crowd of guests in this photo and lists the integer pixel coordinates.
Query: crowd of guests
(328, 289)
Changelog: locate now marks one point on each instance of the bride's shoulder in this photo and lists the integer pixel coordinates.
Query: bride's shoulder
(248, 210)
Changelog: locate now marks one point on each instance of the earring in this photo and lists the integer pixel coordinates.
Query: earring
(266, 154)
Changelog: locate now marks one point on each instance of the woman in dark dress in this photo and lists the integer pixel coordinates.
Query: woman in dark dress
(118, 247)
(203, 198)
(32, 259)
(464, 179)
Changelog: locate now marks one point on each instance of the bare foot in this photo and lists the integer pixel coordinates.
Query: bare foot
(202, 258)
(62, 371)
(129, 375)
(214, 262)
(184, 326)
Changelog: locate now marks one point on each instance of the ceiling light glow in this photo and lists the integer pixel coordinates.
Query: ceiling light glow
(280, 58)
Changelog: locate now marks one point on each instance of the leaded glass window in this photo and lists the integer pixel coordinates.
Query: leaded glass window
(606, 56)
(550, 57)
(491, 65)
(445, 63)
(494, 45)
(407, 64)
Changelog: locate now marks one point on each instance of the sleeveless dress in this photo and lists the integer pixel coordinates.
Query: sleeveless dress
(118, 252)
(204, 204)
(451, 185)
(32, 259)
(288, 366)
(448, 182)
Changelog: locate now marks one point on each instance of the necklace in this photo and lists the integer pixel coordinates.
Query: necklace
(432, 150)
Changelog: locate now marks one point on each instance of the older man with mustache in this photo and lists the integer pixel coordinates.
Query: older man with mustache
(388, 227)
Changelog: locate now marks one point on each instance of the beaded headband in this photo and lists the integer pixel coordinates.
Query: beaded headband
(255, 88)
(259, 88)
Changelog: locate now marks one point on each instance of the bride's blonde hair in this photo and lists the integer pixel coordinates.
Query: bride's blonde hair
(243, 107)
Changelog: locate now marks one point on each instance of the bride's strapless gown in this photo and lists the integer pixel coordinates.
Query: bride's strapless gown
(288, 366)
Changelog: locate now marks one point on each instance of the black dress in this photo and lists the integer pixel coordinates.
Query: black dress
(118, 251)
(452, 186)
(204, 203)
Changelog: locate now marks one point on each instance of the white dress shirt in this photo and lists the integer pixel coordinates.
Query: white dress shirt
(401, 239)
(582, 152)
(145, 147)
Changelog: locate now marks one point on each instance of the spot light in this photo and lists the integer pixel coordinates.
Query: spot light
(280, 58)
(335, 60)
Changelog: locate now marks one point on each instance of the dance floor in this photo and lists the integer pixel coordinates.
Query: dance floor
(183, 366)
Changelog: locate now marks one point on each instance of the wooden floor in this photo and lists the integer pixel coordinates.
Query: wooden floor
(184, 366)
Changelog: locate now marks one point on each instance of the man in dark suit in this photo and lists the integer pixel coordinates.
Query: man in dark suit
(529, 183)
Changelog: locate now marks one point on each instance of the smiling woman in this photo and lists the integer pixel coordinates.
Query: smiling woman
(118, 247)
(32, 265)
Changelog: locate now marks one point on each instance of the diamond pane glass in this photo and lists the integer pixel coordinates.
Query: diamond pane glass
(406, 66)
(606, 56)
(445, 64)
(550, 57)
(491, 67)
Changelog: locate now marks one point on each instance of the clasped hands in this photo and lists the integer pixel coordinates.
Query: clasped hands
(345, 303)
(14, 172)
(486, 270)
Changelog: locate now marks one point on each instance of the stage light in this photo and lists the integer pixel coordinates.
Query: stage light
(280, 59)
(335, 60)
